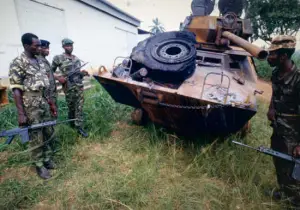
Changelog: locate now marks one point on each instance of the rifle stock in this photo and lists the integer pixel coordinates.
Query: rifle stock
(24, 132)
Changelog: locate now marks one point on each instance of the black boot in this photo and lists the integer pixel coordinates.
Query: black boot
(43, 172)
(49, 164)
(275, 194)
(82, 133)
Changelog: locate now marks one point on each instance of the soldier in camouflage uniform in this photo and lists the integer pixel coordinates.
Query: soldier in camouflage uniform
(67, 63)
(52, 93)
(53, 89)
(29, 82)
(284, 113)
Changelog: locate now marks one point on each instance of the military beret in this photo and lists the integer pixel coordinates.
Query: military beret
(44, 43)
(283, 42)
(66, 41)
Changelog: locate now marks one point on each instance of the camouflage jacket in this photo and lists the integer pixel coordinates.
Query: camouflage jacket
(66, 65)
(52, 89)
(30, 76)
(286, 102)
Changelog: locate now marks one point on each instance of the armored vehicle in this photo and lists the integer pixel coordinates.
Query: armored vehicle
(201, 78)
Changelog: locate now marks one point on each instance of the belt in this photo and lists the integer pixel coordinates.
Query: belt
(287, 115)
(32, 94)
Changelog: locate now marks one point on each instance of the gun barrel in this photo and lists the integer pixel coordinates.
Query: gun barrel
(251, 48)
(271, 152)
(241, 144)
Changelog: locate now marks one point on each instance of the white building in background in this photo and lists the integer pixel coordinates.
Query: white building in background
(100, 30)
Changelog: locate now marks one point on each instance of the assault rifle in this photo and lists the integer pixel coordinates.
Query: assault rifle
(75, 74)
(23, 131)
(268, 151)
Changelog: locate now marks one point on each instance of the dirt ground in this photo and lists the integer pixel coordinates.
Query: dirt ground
(266, 87)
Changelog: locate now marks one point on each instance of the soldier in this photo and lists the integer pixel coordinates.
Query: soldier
(29, 82)
(44, 53)
(67, 62)
(52, 93)
(284, 113)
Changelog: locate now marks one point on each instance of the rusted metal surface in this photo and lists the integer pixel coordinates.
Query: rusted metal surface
(181, 113)
(219, 96)
(251, 48)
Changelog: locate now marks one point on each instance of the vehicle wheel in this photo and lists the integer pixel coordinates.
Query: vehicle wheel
(169, 51)
(246, 129)
(139, 116)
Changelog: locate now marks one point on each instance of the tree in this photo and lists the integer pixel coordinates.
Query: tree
(157, 27)
(273, 17)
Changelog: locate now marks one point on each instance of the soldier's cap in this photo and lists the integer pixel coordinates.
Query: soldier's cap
(283, 42)
(44, 43)
(66, 41)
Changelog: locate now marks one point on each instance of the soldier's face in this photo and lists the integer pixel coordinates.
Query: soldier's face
(68, 48)
(45, 51)
(35, 47)
(273, 59)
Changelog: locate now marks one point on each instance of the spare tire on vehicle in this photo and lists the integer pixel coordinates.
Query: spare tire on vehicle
(170, 56)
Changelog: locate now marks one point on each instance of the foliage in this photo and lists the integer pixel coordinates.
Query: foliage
(270, 17)
(157, 27)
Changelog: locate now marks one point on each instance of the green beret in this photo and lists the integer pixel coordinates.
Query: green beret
(66, 41)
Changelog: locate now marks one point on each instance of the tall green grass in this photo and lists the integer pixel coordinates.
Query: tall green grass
(123, 166)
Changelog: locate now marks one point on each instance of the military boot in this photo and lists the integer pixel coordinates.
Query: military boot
(82, 133)
(43, 172)
(275, 194)
(49, 164)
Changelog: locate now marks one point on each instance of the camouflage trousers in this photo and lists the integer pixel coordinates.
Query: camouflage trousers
(285, 143)
(75, 101)
(37, 111)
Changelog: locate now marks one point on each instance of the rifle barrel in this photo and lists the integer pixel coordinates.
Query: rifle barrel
(241, 144)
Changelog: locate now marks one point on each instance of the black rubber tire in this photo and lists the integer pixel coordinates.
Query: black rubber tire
(173, 77)
(152, 52)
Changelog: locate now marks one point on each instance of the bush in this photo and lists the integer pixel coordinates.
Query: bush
(263, 70)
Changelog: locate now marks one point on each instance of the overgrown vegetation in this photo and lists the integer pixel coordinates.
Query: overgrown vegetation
(123, 166)
(264, 71)
(269, 17)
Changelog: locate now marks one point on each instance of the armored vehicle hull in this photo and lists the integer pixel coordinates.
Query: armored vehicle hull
(208, 101)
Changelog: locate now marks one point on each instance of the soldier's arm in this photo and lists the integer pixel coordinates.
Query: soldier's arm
(271, 111)
(296, 150)
(83, 71)
(16, 78)
(55, 64)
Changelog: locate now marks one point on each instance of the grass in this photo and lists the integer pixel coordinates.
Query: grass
(123, 166)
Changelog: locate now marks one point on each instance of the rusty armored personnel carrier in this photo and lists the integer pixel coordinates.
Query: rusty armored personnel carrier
(199, 79)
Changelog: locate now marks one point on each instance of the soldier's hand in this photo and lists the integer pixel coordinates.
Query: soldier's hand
(22, 119)
(61, 80)
(271, 114)
(85, 73)
(296, 152)
(53, 110)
